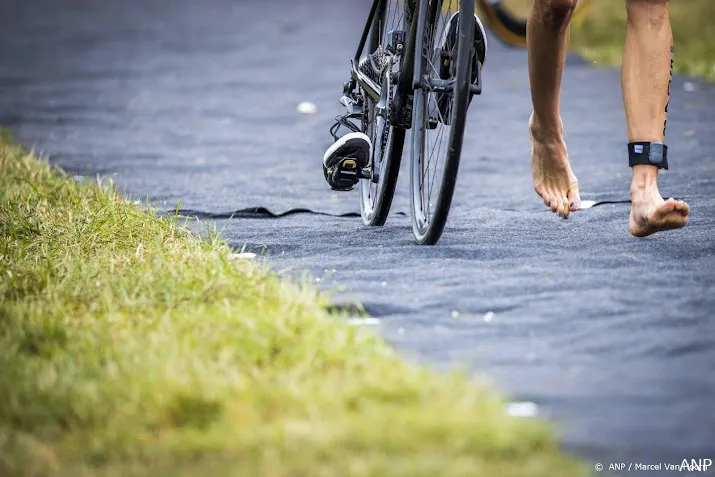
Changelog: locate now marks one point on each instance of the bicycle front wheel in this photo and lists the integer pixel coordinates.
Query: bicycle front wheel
(439, 115)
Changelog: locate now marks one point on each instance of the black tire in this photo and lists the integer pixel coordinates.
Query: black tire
(427, 221)
(509, 26)
(376, 198)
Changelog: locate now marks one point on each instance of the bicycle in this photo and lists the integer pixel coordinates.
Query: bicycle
(393, 89)
(509, 26)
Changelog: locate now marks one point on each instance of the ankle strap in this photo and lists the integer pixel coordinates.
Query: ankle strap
(651, 153)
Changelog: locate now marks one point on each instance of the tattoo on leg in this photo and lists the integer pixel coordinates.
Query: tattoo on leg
(670, 81)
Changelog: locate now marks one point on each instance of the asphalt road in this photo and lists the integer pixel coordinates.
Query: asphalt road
(613, 337)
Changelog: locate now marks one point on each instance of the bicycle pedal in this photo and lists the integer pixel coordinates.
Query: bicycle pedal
(343, 176)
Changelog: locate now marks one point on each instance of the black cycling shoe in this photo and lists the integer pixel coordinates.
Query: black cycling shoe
(344, 161)
(447, 52)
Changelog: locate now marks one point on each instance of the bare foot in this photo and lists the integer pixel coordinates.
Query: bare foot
(650, 213)
(554, 180)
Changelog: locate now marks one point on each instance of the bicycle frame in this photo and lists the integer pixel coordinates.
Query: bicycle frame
(411, 63)
(366, 83)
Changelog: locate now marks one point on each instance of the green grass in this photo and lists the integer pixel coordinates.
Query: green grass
(601, 34)
(600, 37)
(129, 346)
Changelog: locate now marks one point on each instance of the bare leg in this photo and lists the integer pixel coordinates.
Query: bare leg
(547, 44)
(645, 80)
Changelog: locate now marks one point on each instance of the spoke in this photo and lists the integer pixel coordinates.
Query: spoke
(431, 64)
(426, 170)
(394, 12)
(439, 112)
(439, 155)
(440, 23)
(436, 140)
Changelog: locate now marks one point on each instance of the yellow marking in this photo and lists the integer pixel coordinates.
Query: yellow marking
(580, 14)
(350, 164)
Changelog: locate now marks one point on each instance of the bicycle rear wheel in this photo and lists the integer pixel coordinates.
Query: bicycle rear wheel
(387, 140)
(438, 120)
